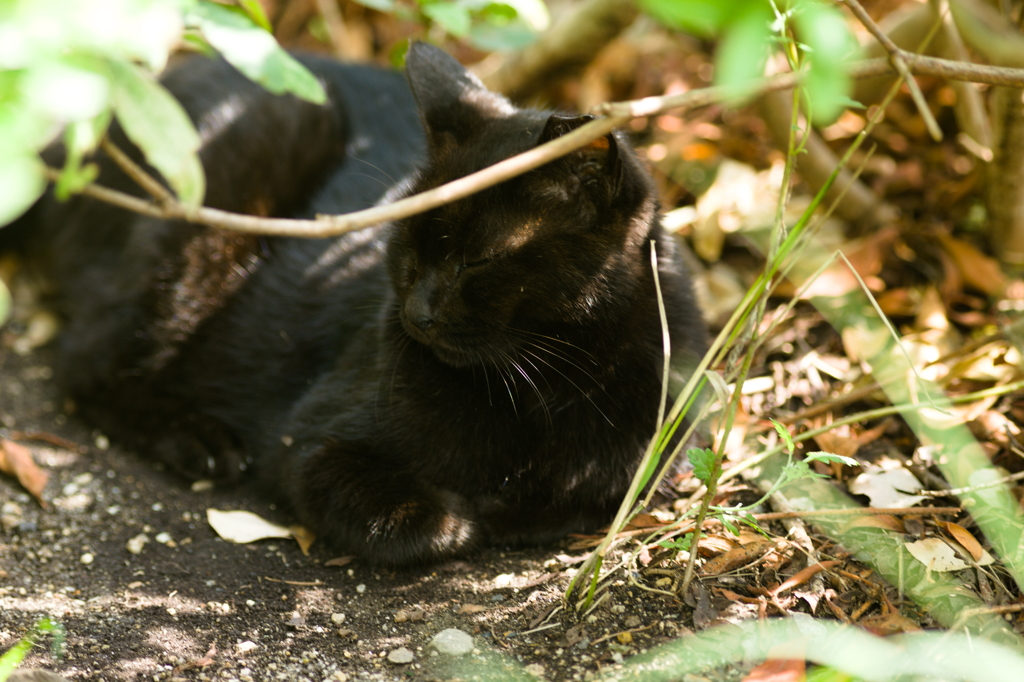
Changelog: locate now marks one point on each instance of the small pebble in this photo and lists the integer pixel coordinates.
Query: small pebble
(102, 442)
(360, 588)
(337, 618)
(136, 544)
(453, 642)
(87, 558)
(246, 646)
(401, 656)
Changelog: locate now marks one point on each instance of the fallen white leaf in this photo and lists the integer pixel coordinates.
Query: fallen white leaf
(885, 486)
(938, 556)
(243, 526)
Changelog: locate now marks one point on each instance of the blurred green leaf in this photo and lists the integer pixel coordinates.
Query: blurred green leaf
(701, 17)
(5, 303)
(785, 436)
(22, 182)
(69, 88)
(450, 16)
(157, 124)
(829, 457)
(743, 49)
(379, 5)
(533, 12)
(255, 11)
(829, 43)
(491, 37)
(254, 52)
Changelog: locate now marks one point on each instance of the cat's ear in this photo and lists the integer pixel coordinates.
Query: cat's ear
(597, 161)
(450, 99)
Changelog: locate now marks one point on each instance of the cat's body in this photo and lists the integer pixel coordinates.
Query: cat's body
(488, 371)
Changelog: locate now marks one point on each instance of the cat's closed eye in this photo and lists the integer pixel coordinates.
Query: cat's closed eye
(472, 264)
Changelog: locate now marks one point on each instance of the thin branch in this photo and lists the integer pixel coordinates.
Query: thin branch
(617, 114)
(896, 55)
(141, 178)
(328, 226)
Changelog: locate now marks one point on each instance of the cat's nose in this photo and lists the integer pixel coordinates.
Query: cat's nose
(419, 313)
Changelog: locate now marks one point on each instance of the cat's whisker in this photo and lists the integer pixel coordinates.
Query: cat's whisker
(376, 168)
(556, 340)
(576, 386)
(536, 389)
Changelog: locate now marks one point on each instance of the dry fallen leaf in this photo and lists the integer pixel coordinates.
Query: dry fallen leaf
(304, 537)
(938, 556)
(16, 460)
(467, 609)
(883, 521)
(788, 670)
(978, 270)
(887, 485)
(964, 537)
(242, 526)
(736, 557)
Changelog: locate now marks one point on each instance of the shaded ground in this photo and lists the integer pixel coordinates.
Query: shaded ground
(270, 612)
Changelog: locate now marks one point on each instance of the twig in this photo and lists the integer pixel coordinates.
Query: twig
(328, 226)
(617, 114)
(956, 492)
(141, 178)
(900, 64)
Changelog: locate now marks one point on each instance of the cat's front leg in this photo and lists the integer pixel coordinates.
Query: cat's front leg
(360, 501)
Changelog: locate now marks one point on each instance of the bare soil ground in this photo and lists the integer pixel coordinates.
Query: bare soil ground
(190, 605)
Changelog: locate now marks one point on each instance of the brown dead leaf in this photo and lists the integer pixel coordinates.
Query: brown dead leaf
(710, 545)
(866, 257)
(965, 538)
(885, 624)
(304, 537)
(977, 269)
(931, 312)
(736, 557)
(644, 520)
(846, 440)
(883, 521)
(16, 460)
(788, 670)
(206, 660)
(469, 609)
(413, 615)
(340, 561)
(802, 576)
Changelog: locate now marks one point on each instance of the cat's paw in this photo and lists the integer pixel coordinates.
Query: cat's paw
(430, 526)
(201, 447)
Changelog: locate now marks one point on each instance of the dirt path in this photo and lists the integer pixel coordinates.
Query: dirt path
(270, 612)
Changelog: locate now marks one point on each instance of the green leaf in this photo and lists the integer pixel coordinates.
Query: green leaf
(743, 50)
(451, 17)
(66, 89)
(5, 303)
(492, 37)
(157, 124)
(22, 180)
(784, 434)
(379, 5)
(533, 12)
(254, 9)
(703, 461)
(829, 45)
(254, 52)
(701, 17)
(830, 457)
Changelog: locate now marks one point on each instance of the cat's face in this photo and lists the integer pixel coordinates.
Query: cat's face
(480, 278)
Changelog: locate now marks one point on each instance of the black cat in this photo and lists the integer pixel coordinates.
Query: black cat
(488, 371)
